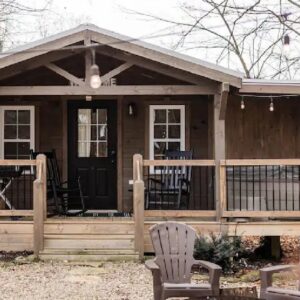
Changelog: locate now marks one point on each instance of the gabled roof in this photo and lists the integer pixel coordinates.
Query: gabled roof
(133, 46)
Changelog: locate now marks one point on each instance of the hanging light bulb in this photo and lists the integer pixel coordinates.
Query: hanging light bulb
(286, 45)
(271, 107)
(95, 80)
(242, 103)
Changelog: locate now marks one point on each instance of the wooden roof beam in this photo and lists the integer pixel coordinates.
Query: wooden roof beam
(120, 90)
(156, 67)
(225, 87)
(116, 71)
(65, 74)
(34, 63)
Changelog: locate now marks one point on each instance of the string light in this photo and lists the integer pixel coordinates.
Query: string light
(242, 103)
(271, 108)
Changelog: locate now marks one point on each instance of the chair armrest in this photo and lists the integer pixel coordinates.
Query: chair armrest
(157, 284)
(214, 272)
(277, 269)
(267, 273)
(151, 265)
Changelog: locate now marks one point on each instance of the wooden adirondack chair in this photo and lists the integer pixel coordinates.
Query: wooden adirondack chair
(173, 244)
(269, 292)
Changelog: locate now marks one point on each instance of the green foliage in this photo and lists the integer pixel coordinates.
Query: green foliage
(227, 252)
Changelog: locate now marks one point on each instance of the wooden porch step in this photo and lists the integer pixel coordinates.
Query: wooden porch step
(89, 255)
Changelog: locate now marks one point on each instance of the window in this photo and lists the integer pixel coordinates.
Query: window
(167, 129)
(17, 131)
(92, 133)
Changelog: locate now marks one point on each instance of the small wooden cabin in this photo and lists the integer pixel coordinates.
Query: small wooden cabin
(244, 136)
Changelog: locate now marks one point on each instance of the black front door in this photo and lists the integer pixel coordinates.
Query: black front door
(92, 146)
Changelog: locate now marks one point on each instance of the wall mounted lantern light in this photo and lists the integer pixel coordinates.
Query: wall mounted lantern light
(131, 109)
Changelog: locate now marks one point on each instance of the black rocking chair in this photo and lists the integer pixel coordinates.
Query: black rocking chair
(62, 194)
(170, 184)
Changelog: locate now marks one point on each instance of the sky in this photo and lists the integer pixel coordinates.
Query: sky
(119, 16)
(114, 15)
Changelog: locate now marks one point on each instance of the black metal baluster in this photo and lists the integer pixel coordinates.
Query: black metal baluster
(259, 187)
(293, 191)
(279, 181)
(240, 186)
(200, 187)
(286, 186)
(206, 186)
(266, 179)
(273, 187)
(213, 186)
(24, 189)
(247, 205)
(233, 186)
(253, 188)
(227, 186)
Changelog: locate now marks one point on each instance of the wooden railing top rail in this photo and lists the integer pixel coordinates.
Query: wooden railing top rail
(260, 162)
(179, 162)
(17, 162)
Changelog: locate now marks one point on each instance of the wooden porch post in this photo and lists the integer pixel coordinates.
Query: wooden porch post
(219, 151)
(138, 203)
(39, 204)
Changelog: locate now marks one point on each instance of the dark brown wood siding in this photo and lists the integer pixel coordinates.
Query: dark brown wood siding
(258, 133)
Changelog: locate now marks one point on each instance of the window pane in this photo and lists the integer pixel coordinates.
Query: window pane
(82, 134)
(93, 149)
(160, 116)
(24, 132)
(84, 116)
(23, 148)
(102, 132)
(102, 149)
(174, 115)
(10, 132)
(10, 117)
(10, 149)
(82, 149)
(174, 146)
(174, 131)
(24, 117)
(160, 131)
(94, 116)
(93, 133)
(102, 116)
(159, 149)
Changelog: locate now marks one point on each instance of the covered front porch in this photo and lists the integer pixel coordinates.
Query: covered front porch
(240, 175)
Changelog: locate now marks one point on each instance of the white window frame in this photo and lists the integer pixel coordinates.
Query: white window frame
(32, 126)
(152, 108)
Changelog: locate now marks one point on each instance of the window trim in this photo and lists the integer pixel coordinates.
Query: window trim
(152, 108)
(31, 108)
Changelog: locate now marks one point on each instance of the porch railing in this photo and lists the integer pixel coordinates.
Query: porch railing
(260, 188)
(23, 193)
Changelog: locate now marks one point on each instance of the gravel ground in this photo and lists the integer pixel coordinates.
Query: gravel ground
(52, 280)
(64, 281)
(23, 279)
